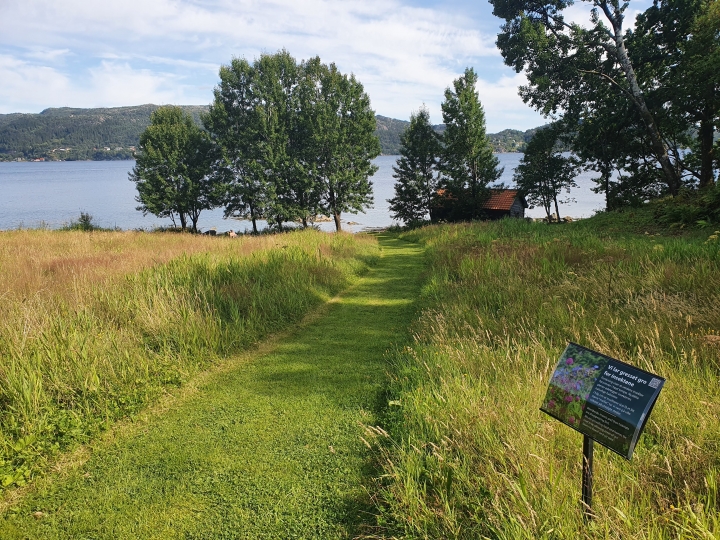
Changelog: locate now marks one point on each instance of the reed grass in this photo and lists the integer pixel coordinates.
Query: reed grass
(97, 325)
(467, 452)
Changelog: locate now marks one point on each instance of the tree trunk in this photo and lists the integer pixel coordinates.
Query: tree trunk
(605, 174)
(253, 218)
(557, 208)
(338, 226)
(671, 176)
(707, 178)
(183, 221)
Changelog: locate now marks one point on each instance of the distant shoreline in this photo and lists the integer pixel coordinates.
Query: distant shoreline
(42, 160)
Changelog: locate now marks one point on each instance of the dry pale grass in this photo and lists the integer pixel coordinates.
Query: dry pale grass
(50, 263)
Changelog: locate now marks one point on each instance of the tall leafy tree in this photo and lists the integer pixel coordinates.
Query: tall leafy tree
(173, 168)
(468, 164)
(344, 143)
(565, 62)
(415, 170)
(275, 89)
(676, 43)
(543, 172)
(298, 139)
(235, 122)
(609, 139)
(303, 185)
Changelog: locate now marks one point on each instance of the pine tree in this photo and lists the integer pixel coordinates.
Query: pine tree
(468, 164)
(415, 171)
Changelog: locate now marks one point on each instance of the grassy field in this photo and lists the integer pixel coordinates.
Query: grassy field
(98, 325)
(469, 455)
(267, 446)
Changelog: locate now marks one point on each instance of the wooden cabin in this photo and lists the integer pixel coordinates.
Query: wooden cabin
(502, 203)
(505, 203)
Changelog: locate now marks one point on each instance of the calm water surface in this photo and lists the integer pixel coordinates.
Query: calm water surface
(52, 194)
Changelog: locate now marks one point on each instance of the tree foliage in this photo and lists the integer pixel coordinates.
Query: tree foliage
(416, 170)
(172, 171)
(297, 139)
(344, 127)
(467, 164)
(543, 172)
(650, 73)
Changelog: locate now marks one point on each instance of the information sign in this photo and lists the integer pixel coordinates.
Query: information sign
(601, 397)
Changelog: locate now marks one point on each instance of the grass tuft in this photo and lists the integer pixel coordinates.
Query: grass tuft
(469, 454)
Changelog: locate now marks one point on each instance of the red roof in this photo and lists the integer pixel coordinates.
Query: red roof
(501, 199)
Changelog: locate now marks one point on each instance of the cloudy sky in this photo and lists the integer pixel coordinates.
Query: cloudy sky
(85, 53)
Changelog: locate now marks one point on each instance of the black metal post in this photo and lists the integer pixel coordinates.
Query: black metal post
(587, 476)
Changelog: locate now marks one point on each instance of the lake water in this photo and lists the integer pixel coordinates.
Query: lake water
(51, 194)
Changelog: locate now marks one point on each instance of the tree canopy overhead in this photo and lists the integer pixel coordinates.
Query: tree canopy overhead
(651, 72)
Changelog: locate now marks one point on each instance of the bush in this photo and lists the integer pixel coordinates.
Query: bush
(690, 208)
(83, 223)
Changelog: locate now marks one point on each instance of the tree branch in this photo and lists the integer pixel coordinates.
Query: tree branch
(611, 80)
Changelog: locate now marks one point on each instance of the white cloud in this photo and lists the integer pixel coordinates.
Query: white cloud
(24, 84)
(170, 50)
(109, 84)
(47, 55)
(114, 84)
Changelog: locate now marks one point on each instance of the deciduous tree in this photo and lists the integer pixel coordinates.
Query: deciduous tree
(345, 143)
(173, 168)
(564, 62)
(543, 172)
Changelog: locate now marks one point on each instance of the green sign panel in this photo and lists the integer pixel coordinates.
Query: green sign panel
(601, 397)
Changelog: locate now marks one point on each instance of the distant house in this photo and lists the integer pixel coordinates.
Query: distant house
(502, 203)
(505, 203)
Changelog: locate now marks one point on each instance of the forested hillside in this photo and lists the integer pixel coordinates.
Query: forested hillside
(113, 133)
(73, 134)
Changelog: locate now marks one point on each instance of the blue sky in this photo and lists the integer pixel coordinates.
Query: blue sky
(81, 53)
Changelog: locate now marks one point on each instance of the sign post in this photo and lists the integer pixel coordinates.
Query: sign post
(606, 400)
(587, 476)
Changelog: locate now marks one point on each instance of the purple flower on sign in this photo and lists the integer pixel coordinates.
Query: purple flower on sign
(569, 361)
(551, 404)
(571, 419)
(568, 398)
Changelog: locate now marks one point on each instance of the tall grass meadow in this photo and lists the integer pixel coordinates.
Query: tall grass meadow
(465, 451)
(97, 325)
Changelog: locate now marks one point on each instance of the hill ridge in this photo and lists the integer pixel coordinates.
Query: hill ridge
(108, 133)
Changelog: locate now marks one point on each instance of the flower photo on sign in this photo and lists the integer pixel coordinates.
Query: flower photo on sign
(571, 384)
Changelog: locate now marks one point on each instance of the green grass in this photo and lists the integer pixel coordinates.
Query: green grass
(270, 446)
(93, 351)
(469, 454)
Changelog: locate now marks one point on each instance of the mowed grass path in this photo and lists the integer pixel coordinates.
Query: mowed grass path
(270, 448)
